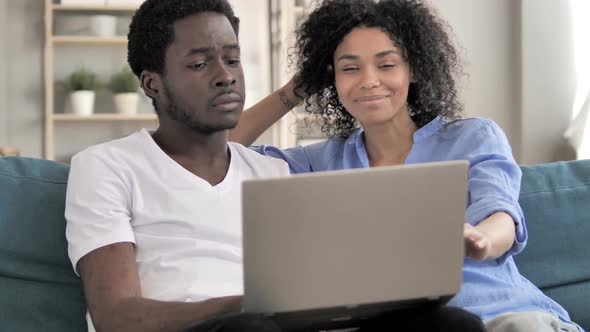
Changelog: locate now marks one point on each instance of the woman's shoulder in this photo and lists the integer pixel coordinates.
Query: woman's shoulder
(472, 127)
(472, 124)
(475, 136)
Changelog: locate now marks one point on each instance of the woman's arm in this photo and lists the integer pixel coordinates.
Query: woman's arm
(264, 114)
(496, 227)
(491, 238)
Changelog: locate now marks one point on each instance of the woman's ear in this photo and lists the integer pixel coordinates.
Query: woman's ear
(150, 83)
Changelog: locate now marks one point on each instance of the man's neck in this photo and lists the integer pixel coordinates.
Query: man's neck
(203, 154)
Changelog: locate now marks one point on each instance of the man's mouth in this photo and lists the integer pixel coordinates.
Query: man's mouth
(227, 102)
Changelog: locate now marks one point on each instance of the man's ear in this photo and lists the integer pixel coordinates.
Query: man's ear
(151, 83)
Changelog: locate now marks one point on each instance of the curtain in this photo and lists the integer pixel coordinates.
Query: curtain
(578, 133)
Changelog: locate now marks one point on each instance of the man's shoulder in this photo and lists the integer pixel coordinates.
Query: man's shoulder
(264, 165)
(115, 150)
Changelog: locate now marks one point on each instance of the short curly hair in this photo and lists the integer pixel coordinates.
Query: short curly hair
(152, 29)
(412, 26)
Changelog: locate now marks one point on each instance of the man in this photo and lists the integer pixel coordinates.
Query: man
(153, 219)
(156, 215)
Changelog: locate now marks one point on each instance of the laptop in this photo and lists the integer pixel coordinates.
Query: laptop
(331, 249)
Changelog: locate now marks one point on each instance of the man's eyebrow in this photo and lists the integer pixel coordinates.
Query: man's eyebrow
(232, 47)
(206, 50)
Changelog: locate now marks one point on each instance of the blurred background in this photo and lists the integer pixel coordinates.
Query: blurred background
(528, 66)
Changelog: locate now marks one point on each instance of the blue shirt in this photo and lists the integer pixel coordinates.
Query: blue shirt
(489, 287)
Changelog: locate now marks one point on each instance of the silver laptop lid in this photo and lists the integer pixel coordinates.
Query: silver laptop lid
(353, 237)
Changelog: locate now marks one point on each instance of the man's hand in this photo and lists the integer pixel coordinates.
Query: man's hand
(477, 243)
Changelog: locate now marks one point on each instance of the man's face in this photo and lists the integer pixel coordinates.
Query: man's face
(203, 79)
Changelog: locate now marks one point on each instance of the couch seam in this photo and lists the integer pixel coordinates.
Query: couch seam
(569, 283)
(554, 189)
(33, 178)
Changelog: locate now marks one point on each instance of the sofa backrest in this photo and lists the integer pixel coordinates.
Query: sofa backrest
(39, 290)
(556, 201)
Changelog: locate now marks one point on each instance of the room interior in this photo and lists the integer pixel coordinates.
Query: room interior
(527, 65)
(530, 77)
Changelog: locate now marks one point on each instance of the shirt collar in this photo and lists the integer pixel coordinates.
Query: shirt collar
(356, 138)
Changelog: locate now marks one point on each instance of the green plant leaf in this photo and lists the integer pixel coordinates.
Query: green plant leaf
(81, 79)
(124, 81)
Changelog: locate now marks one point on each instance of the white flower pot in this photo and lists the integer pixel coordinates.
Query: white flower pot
(83, 2)
(126, 103)
(103, 25)
(136, 3)
(82, 102)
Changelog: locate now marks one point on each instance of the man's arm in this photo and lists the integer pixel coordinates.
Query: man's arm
(261, 116)
(113, 295)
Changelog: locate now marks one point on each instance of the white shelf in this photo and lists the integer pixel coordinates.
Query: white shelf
(88, 40)
(100, 9)
(53, 11)
(104, 117)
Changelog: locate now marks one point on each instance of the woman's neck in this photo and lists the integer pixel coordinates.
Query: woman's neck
(390, 143)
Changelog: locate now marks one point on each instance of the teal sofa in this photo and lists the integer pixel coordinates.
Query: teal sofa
(39, 291)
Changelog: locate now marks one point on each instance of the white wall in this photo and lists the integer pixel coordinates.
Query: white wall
(520, 61)
(21, 101)
(527, 88)
(3, 113)
(548, 79)
(487, 35)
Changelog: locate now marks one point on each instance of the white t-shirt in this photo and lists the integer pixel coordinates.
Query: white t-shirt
(187, 233)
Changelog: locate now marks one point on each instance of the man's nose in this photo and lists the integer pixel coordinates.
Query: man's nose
(224, 77)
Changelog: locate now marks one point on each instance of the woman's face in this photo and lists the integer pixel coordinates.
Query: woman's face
(372, 78)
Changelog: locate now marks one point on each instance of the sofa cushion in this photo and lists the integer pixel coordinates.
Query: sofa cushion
(556, 201)
(39, 290)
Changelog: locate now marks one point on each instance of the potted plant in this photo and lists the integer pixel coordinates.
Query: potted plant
(81, 84)
(125, 86)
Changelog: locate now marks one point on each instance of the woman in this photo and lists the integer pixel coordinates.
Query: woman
(382, 78)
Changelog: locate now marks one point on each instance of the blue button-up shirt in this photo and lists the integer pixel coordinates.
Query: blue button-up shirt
(489, 287)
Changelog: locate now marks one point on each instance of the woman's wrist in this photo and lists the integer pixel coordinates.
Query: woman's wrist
(287, 96)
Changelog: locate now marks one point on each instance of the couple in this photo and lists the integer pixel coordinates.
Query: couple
(153, 219)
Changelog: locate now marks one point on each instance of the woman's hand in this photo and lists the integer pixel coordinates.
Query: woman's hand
(477, 243)
(491, 238)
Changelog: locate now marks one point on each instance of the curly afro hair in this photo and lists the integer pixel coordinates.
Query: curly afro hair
(152, 29)
(412, 26)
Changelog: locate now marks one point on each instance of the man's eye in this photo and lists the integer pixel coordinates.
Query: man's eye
(233, 62)
(197, 66)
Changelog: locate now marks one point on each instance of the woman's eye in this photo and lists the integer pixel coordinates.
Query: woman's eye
(387, 65)
(349, 69)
